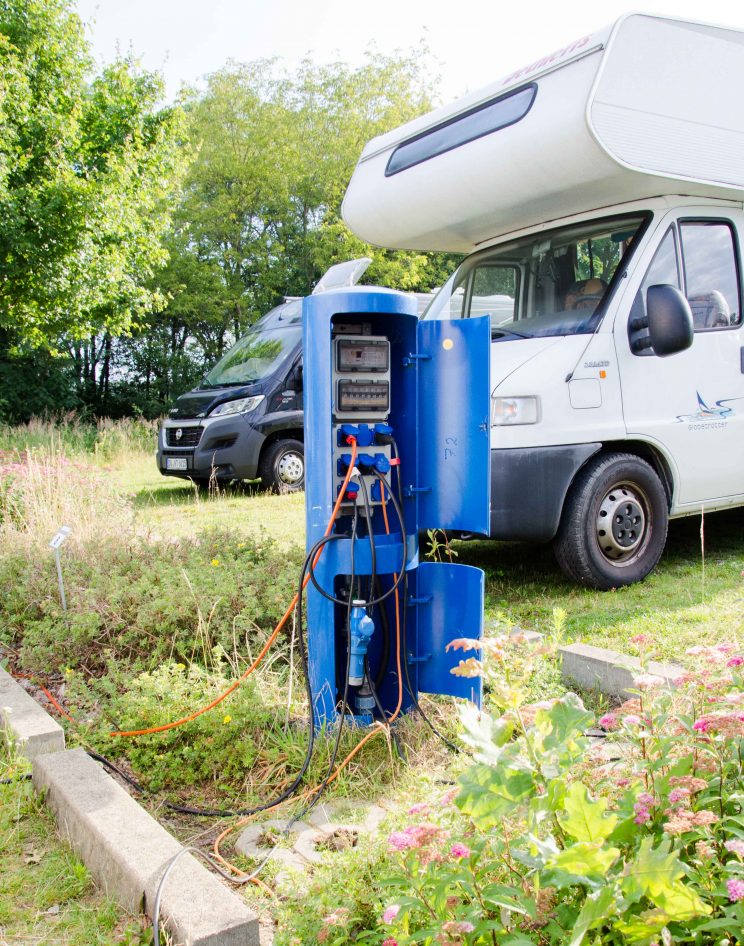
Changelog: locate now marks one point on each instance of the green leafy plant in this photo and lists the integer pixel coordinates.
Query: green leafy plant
(549, 843)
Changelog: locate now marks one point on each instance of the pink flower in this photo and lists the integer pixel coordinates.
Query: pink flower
(735, 847)
(390, 913)
(702, 725)
(632, 720)
(390, 941)
(416, 836)
(460, 850)
(678, 794)
(735, 889)
(642, 639)
(449, 796)
(399, 841)
(608, 721)
(645, 799)
(418, 809)
(648, 681)
(457, 927)
(735, 662)
(642, 815)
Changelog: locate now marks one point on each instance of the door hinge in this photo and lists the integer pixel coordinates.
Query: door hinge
(412, 490)
(411, 358)
(422, 658)
(412, 602)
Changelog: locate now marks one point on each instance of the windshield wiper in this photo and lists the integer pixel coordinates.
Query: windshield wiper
(503, 332)
(232, 384)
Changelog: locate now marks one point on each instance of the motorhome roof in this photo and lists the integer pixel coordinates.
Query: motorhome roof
(647, 107)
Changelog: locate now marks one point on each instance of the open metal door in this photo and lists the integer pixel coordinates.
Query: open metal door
(454, 450)
(449, 605)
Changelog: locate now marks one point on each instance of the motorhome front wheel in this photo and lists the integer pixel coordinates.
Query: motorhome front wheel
(614, 522)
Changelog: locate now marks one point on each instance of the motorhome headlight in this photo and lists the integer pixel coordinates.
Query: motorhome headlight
(509, 411)
(240, 406)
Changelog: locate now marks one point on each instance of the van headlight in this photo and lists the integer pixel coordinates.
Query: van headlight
(240, 406)
(510, 411)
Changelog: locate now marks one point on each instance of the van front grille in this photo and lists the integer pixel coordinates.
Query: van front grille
(183, 436)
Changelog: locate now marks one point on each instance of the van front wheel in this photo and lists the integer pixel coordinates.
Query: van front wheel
(614, 523)
(282, 466)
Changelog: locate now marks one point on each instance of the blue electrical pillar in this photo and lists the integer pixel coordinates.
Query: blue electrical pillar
(415, 397)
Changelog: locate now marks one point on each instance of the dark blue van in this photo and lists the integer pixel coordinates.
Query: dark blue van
(244, 420)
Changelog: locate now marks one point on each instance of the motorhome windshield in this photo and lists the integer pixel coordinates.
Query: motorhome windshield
(552, 283)
(254, 356)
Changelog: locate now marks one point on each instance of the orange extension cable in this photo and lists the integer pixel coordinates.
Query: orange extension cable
(272, 637)
(308, 794)
(60, 709)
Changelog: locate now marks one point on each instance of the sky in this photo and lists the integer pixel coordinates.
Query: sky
(471, 43)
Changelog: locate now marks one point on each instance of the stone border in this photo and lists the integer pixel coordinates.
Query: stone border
(127, 850)
(609, 672)
(27, 726)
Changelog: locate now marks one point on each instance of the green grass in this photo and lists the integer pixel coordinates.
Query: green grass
(168, 506)
(47, 897)
(685, 601)
(682, 603)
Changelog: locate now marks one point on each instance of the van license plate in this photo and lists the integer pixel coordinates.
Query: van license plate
(176, 463)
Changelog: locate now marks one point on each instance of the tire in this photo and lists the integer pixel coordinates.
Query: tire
(594, 545)
(282, 466)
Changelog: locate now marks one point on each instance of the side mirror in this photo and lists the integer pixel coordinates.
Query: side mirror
(668, 321)
(297, 379)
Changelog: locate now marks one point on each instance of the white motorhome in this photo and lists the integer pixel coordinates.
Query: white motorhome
(599, 192)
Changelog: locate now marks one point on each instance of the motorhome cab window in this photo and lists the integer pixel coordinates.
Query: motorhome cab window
(711, 278)
(711, 282)
(552, 283)
(255, 356)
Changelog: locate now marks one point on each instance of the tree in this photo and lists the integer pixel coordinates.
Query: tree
(86, 171)
(262, 199)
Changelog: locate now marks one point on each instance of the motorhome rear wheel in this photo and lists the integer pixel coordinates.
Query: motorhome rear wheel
(614, 522)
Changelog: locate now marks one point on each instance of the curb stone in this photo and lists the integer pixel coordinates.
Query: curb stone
(127, 850)
(609, 672)
(26, 725)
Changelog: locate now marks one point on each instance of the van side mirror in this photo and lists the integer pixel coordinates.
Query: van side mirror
(296, 379)
(668, 320)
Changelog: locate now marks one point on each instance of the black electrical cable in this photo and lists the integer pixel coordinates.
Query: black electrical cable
(409, 686)
(406, 673)
(373, 689)
(19, 778)
(290, 790)
(372, 549)
(344, 702)
(401, 571)
(240, 881)
(393, 734)
(385, 629)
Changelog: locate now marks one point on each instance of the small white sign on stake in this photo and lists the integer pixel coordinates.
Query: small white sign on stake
(60, 537)
(58, 540)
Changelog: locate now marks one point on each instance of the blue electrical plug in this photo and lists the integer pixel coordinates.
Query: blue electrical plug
(362, 628)
(382, 463)
(362, 433)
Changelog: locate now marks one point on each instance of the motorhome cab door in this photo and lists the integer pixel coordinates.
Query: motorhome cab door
(691, 404)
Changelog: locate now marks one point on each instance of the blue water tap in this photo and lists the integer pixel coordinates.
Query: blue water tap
(362, 628)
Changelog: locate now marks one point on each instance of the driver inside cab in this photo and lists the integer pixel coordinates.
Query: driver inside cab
(584, 294)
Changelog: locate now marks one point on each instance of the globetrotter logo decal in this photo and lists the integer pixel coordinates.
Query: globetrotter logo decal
(707, 418)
